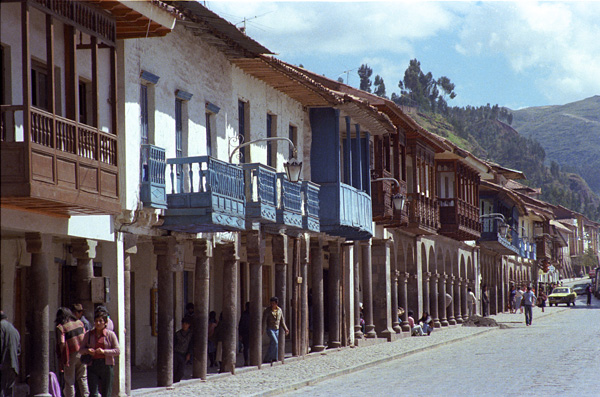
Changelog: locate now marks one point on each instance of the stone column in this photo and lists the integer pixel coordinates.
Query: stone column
(463, 287)
(426, 292)
(434, 299)
(356, 263)
(394, 285)
(382, 307)
(203, 253)
(404, 300)
(129, 249)
(280, 259)
(413, 294)
(304, 247)
(457, 301)
(164, 249)
(230, 300)
(442, 300)
(316, 256)
(40, 247)
(334, 294)
(84, 251)
(451, 318)
(367, 288)
(255, 253)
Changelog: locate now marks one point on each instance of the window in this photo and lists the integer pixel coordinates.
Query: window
(293, 135)
(208, 134)
(271, 132)
(83, 102)
(144, 114)
(179, 141)
(39, 85)
(243, 129)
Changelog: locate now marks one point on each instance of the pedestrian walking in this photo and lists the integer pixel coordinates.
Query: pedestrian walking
(485, 301)
(103, 346)
(10, 349)
(69, 337)
(512, 302)
(273, 320)
(542, 300)
(588, 291)
(183, 345)
(244, 331)
(528, 301)
(518, 299)
(471, 302)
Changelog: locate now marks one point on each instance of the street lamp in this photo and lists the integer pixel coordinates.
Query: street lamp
(398, 199)
(293, 167)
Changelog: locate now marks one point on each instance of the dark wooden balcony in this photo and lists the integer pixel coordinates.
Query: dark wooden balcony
(459, 219)
(382, 193)
(492, 239)
(423, 214)
(260, 191)
(544, 246)
(207, 195)
(59, 166)
(153, 168)
(289, 209)
(310, 219)
(346, 212)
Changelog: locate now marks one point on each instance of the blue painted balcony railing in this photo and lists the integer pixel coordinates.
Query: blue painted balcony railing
(494, 240)
(260, 193)
(532, 251)
(310, 220)
(348, 212)
(289, 208)
(153, 166)
(210, 199)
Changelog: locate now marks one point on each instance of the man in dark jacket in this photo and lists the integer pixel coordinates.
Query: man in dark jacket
(10, 349)
(182, 347)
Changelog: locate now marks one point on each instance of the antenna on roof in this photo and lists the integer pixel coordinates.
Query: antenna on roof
(243, 28)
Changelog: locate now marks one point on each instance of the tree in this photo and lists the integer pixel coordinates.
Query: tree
(379, 87)
(364, 73)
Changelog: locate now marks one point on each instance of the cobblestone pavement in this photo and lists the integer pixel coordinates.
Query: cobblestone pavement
(557, 355)
(482, 360)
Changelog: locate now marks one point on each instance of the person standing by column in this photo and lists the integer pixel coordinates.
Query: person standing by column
(103, 346)
(472, 300)
(10, 349)
(69, 336)
(528, 302)
(77, 310)
(485, 301)
(272, 320)
(183, 346)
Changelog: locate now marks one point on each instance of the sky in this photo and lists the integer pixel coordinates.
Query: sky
(515, 54)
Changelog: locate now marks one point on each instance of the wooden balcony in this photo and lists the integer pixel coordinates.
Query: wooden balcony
(492, 239)
(59, 166)
(459, 219)
(153, 168)
(544, 246)
(382, 193)
(423, 214)
(260, 191)
(347, 213)
(207, 195)
(289, 208)
(310, 219)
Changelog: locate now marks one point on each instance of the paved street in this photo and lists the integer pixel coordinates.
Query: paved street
(557, 355)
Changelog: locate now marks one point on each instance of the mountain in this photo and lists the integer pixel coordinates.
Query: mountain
(569, 134)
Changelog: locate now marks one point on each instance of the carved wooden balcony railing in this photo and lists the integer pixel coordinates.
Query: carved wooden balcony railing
(423, 214)
(345, 211)
(492, 239)
(310, 219)
(261, 193)
(85, 18)
(459, 219)
(289, 203)
(544, 246)
(153, 168)
(59, 165)
(382, 193)
(210, 198)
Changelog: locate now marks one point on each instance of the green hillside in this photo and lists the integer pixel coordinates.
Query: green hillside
(569, 134)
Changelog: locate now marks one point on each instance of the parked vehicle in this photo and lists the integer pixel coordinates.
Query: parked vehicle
(579, 289)
(562, 295)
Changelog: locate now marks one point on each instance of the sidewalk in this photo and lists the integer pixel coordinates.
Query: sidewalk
(298, 372)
